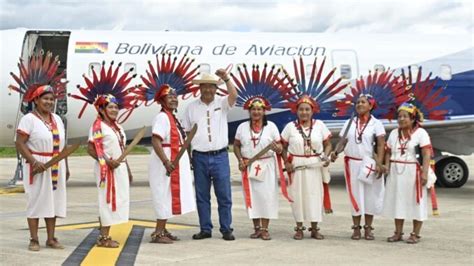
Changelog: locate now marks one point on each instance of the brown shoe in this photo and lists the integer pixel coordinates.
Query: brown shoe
(160, 238)
(413, 239)
(170, 236)
(299, 233)
(264, 235)
(315, 233)
(54, 244)
(356, 235)
(368, 235)
(257, 233)
(34, 245)
(397, 236)
(106, 242)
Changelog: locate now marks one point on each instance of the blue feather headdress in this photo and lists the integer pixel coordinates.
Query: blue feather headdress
(169, 76)
(316, 90)
(425, 96)
(264, 88)
(108, 87)
(384, 91)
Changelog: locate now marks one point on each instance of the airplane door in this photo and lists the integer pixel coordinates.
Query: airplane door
(57, 43)
(29, 46)
(347, 64)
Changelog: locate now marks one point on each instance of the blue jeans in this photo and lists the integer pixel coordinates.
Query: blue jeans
(215, 169)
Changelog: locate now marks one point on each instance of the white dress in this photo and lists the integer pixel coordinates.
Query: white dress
(113, 150)
(368, 197)
(400, 195)
(160, 183)
(42, 200)
(306, 186)
(263, 194)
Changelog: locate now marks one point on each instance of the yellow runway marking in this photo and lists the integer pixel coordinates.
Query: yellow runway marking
(120, 233)
(12, 190)
(108, 256)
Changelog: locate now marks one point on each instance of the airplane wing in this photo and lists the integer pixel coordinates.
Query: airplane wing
(455, 136)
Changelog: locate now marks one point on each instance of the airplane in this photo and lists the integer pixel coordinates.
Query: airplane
(450, 57)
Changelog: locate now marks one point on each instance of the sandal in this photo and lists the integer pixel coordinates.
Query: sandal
(34, 245)
(106, 242)
(160, 238)
(315, 233)
(299, 233)
(170, 236)
(55, 244)
(356, 235)
(264, 235)
(413, 239)
(397, 236)
(368, 235)
(257, 233)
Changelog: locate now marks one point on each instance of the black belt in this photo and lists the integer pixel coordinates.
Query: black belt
(211, 152)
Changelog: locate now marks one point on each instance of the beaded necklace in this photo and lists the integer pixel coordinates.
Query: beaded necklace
(306, 138)
(53, 128)
(360, 130)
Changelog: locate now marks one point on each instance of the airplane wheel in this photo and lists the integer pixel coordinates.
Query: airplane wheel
(452, 172)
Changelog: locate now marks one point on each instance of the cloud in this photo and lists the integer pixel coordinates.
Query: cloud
(370, 16)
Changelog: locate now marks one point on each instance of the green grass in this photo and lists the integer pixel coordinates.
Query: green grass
(7, 152)
(10, 152)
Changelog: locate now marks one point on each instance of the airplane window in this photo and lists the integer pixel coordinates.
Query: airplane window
(379, 68)
(346, 72)
(129, 66)
(205, 68)
(96, 66)
(445, 72)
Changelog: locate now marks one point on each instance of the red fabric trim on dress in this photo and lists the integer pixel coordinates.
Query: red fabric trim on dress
(348, 181)
(175, 175)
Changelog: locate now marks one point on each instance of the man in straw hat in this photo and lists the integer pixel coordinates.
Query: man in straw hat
(210, 159)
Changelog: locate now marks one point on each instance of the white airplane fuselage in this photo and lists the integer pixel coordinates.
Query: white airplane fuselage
(212, 50)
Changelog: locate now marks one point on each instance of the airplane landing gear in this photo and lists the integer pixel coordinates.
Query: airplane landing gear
(451, 172)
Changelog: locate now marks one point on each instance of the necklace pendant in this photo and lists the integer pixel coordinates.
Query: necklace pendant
(307, 150)
(359, 138)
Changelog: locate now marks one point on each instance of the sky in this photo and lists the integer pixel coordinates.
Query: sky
(335, 16)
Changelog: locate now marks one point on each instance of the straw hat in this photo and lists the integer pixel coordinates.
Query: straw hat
(206, 78)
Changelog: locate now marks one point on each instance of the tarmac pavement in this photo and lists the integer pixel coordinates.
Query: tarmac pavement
(447, 239)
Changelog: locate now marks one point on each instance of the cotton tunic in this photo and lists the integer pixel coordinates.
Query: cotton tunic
(306, 186)
(111, 145)
(160, 183)
(368, 197)
(263, 194)
(42, 200)
(400, 200)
